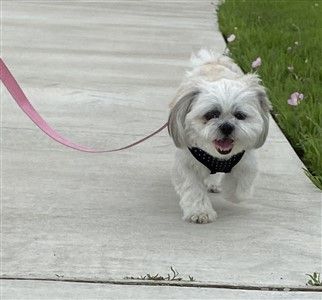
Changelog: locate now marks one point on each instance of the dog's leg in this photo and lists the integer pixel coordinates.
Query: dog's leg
(194, 200)
(238, 185)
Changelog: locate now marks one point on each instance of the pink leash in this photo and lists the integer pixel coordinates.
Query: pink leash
(18, 95)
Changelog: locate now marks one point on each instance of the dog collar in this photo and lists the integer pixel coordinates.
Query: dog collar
(216, 165)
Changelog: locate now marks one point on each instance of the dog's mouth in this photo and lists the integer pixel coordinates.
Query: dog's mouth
(224, 146)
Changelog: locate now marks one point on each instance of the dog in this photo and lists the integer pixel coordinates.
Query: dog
(217, 120)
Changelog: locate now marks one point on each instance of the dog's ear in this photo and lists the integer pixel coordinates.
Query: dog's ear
(265, 107)
(177, 116)
(254, 82)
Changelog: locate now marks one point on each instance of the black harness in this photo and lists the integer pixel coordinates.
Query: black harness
(216, 165)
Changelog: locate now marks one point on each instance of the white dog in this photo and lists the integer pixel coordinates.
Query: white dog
(218, 117)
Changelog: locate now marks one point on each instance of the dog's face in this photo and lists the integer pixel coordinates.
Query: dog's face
(225, 116)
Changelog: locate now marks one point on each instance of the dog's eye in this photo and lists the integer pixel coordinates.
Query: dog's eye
(240, 116)
(212, 114)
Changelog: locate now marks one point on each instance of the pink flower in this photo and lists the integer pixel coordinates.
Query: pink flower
(256, 63)
(231, 38)
(295, 99)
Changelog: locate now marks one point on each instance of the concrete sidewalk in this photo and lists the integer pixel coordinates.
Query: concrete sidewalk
(103, 74)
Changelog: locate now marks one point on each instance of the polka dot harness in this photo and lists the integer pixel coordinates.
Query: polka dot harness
(216, 165)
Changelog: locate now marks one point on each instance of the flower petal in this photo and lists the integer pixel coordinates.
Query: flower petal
(295, 96)
(231, 38)
(256, 63)
(292, 102)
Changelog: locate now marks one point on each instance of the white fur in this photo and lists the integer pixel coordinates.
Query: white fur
(215, 82)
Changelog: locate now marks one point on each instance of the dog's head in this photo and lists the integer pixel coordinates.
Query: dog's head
(226, 115)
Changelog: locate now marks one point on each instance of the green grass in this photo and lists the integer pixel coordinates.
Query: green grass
(270, 30)
(315, 279)
(169, 277)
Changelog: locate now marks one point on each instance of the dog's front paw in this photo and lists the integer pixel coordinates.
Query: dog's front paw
(204, 217)
(212, 185)
(214, 189)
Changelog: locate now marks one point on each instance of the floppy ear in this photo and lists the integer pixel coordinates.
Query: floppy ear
(176, 121)
(254, 82)
(265, 106)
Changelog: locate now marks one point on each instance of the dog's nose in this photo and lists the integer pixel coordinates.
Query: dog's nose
(226, 128)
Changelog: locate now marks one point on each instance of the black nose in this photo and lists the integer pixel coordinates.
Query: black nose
(226, 128)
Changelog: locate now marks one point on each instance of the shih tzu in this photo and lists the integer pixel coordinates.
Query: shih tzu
(217, 120)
